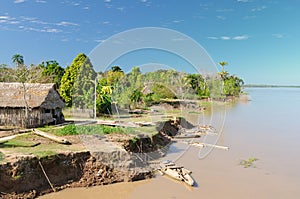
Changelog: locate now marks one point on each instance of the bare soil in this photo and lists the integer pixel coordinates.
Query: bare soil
(25, 178)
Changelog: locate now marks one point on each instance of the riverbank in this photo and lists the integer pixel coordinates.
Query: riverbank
(27, 171)
(25, 178)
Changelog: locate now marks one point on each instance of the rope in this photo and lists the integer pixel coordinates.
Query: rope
(46, 176)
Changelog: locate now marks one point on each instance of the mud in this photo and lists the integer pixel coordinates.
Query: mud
(25, 179)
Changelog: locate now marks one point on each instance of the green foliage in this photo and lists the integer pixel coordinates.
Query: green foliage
(71, 129)
(70, 77)
(136, 96)
(232, 86)
(1, 156)
(116, 69)
(248, 163)
(52, 70)
(7, 74)
(223, 64)
(198, 84)
(18, 60)
(162, 92)
(84, 86)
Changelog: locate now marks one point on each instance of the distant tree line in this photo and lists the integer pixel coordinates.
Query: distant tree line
(80, 85)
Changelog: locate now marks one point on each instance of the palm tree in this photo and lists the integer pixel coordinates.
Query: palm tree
(223, 64)
(18, 60)
(116, 69)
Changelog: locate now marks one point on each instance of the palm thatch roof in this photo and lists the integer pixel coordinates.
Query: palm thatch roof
(36, 95)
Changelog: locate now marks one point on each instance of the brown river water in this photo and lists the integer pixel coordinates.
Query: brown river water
(267, 128)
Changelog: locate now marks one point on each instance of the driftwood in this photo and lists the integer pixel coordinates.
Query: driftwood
(51, 137)
(199, 144)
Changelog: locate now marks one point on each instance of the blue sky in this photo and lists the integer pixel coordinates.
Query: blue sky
(258, 38)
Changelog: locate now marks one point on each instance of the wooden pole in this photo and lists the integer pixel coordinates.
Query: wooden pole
(46, 176)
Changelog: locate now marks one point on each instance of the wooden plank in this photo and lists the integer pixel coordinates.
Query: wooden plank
(51, 137)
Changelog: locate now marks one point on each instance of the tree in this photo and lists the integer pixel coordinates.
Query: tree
(53, 71)
(136, 96)
(84, 86)
(223, 74)
(223, 64)
(232, 86)
(116, 69)
(103, 98)
(18, 60)
(69, 78)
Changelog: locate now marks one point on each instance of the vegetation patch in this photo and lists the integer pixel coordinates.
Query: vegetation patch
(71, 129)
(248, 163)
(1, 156)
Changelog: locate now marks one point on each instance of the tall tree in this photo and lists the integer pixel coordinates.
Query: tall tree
(69, 78)
(84, 86)
(223, 64)
(223, 73)
(18, 60)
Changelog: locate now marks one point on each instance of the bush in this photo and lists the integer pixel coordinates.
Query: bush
(70, 129)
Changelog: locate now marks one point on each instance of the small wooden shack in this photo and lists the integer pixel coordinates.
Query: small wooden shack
(30, 104)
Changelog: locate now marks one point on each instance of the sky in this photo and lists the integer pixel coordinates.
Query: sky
(260, 39)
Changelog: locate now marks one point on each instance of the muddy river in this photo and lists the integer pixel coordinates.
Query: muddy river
(266, 128)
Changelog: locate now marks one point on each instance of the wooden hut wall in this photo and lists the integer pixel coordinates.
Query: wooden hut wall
(17, 117)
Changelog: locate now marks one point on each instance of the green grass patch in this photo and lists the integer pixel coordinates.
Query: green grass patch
(20, 141)
(71, 129)
(1, 156)
(248, 163)
(41, 154)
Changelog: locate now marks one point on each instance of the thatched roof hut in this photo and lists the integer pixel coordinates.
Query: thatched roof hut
(29, 105)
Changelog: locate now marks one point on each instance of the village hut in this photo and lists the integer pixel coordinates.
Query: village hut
(30, 105)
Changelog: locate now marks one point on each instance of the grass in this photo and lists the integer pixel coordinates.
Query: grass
(71, 129)
(1, 156)
(248, 163)
(28, 145)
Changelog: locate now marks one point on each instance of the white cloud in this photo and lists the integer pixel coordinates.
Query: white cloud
(4, 17)
(19, 1)
(258, 9)
(41, 1)
(278, 36)
(45, 29)
(107, 1)
(65, 23)
(214, 38)
(177, 21)
(225, 38)
(239, 37)
(105, 22)
(100, 40)
(51, 30)
(221, 17)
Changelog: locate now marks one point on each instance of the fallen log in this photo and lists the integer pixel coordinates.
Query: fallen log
(51, 137)
(199, 144)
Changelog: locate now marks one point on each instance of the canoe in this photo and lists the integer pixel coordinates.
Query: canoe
(177, 172)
